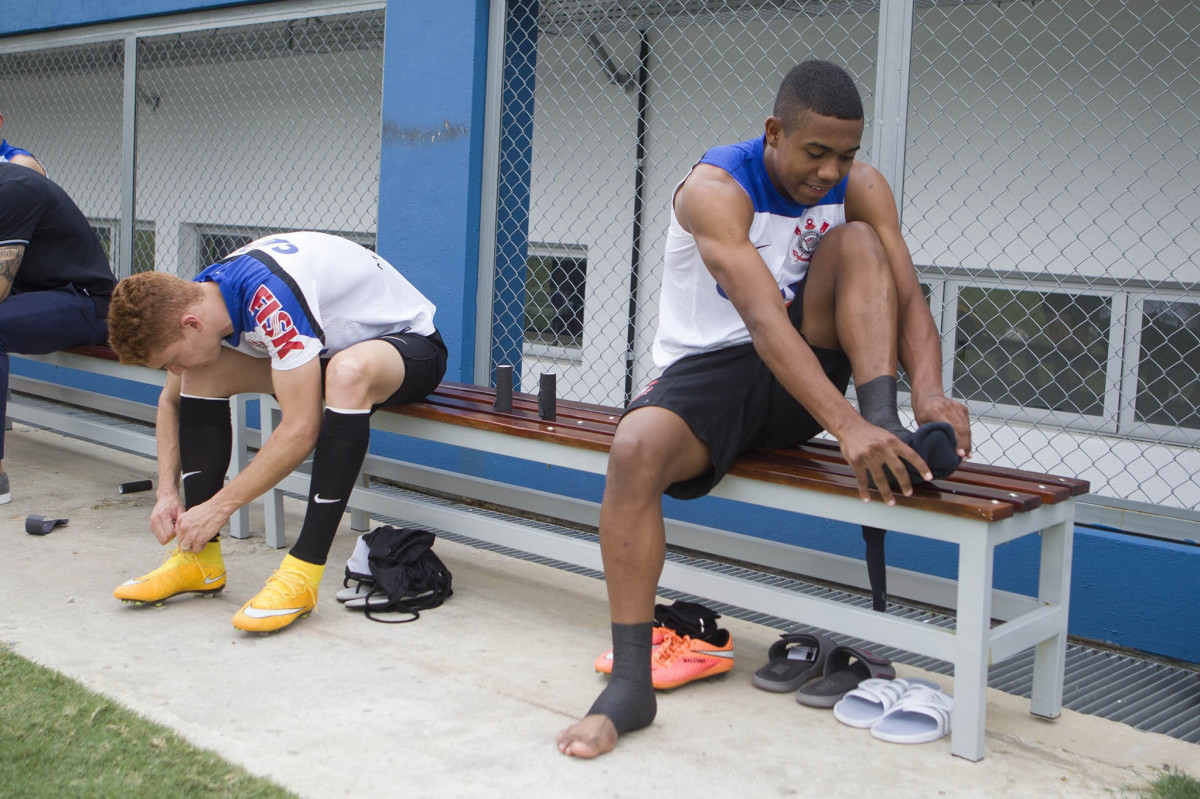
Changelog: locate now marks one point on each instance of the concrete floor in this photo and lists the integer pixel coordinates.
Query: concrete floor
(468, 700)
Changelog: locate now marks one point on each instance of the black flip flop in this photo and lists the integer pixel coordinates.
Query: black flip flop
(845, 668)
(792, 661)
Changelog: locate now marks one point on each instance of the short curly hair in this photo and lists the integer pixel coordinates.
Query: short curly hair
(820, 87)
(144, 313)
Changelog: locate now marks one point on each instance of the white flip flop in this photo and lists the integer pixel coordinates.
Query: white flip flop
(922, 715)
(866, 704)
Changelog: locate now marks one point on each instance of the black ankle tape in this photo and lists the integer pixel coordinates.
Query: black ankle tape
(877, 403)
(628, 701)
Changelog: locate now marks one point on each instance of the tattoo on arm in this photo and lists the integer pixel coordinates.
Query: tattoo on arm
(10, 261)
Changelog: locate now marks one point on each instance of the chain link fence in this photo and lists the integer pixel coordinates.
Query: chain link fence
(63, 104)
(240, 131)
(1049, 199)
(1049, 188)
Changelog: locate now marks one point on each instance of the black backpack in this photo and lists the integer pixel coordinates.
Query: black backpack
(406, 571)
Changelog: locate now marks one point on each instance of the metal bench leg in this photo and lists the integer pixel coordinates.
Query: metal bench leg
(360, 520)
(1054, 588)
(239, 523)
(273, 500)
(972, 635)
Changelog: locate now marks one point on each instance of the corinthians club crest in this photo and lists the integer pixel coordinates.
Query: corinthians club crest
(805, 240)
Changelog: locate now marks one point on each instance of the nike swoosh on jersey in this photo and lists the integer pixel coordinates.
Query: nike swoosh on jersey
(264, 613)
(323, 501)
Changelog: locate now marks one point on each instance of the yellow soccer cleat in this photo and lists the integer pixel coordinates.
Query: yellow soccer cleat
(290, 594)
(180, 573)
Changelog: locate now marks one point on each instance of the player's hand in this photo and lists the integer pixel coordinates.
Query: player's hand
(165, 516)
(938, 408)
(875, 454)
(199, 525)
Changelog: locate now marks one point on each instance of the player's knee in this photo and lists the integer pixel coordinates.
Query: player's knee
(638, 459)
(348, 372)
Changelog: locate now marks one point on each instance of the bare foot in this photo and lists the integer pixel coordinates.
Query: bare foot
(591, 737)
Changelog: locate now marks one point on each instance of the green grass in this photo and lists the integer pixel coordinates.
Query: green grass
(1168, 783)
(58, 739)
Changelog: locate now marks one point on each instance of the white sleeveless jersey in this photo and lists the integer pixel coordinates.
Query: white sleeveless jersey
(695, 315)
(297, 296)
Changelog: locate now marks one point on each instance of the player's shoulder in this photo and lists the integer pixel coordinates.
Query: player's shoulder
(709, 192)
(866, 189)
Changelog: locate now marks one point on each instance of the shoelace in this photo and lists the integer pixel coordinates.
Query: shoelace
(672, 647)
(284, 584)
(186, 557)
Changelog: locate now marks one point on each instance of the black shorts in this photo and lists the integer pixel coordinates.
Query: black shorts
(733, 403)
(424, 366)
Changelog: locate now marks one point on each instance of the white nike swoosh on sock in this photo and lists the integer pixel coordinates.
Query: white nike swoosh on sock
(323, 501)
(186, 475)
(263, 613)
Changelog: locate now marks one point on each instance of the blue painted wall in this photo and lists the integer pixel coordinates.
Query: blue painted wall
(1126, 590)
(431, 167)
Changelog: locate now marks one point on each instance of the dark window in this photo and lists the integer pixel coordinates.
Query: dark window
(1169, 366)
(554, 294)
(1032, 349)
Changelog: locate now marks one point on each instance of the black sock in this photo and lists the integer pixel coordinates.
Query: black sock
(877, 404)
(628, 700)
(341, 447)
(205, 444)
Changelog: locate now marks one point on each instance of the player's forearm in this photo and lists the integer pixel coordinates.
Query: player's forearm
(166, 443)
(920, 350)
(10, 262)
(799, 371)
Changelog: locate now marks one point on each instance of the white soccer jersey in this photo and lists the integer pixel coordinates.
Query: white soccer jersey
(297, 296)
(695, 315)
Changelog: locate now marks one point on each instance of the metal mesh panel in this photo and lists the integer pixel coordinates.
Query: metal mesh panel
(1049, 199)
(63, 104)
(252, 129)
(619, 101)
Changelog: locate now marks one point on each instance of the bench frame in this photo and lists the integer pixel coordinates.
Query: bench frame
(971, 646)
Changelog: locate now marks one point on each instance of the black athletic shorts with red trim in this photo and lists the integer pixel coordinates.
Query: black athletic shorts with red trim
(733, 403)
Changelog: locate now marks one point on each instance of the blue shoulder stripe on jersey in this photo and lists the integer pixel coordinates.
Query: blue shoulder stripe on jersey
(744, 162)
(241, 273)
(8, 151)
(279, 272)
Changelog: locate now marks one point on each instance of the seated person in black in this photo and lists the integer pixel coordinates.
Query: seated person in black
(55, 280)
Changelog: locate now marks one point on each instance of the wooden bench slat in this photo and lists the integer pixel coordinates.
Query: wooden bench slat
(963, 477)
(503, 423)
(927, 499)
(469, 412)
(1052, 491)
(1020, 500)
(1074, 486)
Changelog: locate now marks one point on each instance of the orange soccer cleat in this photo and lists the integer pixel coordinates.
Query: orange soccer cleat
(682, 659)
